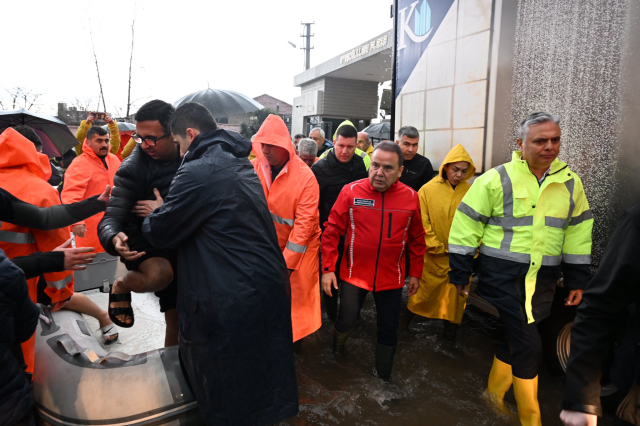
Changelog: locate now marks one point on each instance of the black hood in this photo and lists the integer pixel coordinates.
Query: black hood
(230, 142)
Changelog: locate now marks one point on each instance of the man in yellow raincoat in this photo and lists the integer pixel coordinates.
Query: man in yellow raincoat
(439, 199)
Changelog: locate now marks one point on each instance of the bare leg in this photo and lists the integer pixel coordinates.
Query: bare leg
(171, 335)
(153, 274)
(82, 304)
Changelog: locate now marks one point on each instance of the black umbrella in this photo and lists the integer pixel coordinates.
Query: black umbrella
(123, 127)
(56, 137)
(222, 103)
(379, 130)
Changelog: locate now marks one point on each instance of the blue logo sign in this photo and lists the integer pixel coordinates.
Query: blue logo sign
(416, 23)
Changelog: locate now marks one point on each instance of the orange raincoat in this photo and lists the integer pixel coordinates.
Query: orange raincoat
(22, 174)
(436, 297)
(87, 176)
(293, 202)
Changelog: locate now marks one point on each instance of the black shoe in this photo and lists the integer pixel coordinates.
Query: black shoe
(339, 339)
(450, 330)
(384, 360)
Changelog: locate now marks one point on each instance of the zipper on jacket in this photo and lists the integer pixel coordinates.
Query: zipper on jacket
(375, 275)
(389, 230)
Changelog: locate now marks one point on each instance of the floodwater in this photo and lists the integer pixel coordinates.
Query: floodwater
(433, 381)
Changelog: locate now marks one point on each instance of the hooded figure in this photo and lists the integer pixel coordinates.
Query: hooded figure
(439, 199)
(87, 176)
(234, 305)
(21, 174)
(292, 196)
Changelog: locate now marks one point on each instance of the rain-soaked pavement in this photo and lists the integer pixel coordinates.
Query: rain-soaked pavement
(433, 382)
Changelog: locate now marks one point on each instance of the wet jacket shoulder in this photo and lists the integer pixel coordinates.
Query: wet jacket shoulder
(19, 317)
(135, 180)
(332, 176)
(605, 301)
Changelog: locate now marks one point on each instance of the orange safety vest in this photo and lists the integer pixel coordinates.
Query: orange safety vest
(87, 176)
(293, 202)
(22, 174)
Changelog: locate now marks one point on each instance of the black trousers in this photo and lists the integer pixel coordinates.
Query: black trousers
(387, 309)
(521, 346)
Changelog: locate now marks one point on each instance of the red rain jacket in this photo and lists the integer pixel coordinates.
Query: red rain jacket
(381, 228)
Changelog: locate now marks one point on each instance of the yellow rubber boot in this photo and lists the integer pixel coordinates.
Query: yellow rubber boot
(500, 379)
(526, 391)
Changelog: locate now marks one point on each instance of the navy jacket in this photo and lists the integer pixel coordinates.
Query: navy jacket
(234, 303)
(18, 319)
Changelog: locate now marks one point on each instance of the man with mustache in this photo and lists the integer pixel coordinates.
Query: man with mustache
(87, 176)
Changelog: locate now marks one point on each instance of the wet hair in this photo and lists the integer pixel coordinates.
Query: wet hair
(191, 115)
(348, 132)
(318, 129)
(408, 131)
(299, 136)
(156, 110)
(96, 130)
(390, 147)
(533, 120)
(29, 133)
(307, 146)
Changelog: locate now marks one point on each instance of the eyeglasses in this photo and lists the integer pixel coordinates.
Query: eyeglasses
(149, 140)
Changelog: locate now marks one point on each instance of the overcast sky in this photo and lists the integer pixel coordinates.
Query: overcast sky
(180, 46)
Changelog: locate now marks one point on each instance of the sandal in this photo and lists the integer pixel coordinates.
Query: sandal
(113, 312)
(108, 331)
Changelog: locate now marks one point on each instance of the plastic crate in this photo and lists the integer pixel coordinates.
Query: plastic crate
(100, 274)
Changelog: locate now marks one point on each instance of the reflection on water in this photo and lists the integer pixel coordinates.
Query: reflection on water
(433, 382)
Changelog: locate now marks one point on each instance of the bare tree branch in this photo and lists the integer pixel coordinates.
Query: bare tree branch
(104, 104)
(133, 24)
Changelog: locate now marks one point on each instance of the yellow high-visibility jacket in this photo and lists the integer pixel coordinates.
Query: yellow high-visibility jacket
(515, 218)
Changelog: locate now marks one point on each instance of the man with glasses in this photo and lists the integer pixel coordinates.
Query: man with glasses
(139, 187)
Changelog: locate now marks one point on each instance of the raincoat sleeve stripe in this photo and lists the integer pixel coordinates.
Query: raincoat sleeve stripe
(468, 225)
(304, 225)
(335, 226)
(576, 251)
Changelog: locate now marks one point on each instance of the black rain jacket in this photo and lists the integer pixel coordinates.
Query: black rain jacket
(135, 180)
(332, 176)
(417, 172)
(234, 303)
(605, 302)
(19, 317)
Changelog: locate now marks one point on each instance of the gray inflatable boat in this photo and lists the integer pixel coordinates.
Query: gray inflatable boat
(77, 382)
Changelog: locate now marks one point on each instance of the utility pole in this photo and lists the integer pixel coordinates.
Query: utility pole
(307, 34)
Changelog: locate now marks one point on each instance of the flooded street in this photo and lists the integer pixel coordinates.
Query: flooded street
(433, 381)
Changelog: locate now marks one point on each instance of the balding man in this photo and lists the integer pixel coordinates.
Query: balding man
(364, 143)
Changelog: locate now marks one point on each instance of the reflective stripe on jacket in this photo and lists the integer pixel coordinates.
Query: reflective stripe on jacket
(293, 202)
(380, 229)
(518, 219)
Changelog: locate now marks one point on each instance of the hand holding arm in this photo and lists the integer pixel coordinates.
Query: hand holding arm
(143, 208)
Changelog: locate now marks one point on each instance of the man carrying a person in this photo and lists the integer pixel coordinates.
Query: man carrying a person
(417, 168)
(292, 195)
(340, 167)
(307, 150)
(364, 143)
(380, 219)
(533, 224)
(234, 300)
(139, 186)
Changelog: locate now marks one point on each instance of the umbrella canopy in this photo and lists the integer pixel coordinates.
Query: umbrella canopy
(123, 127)
(222, 103)
(56, 137)
(379, 130)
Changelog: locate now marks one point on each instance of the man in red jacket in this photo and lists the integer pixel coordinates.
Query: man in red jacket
(380, 218)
